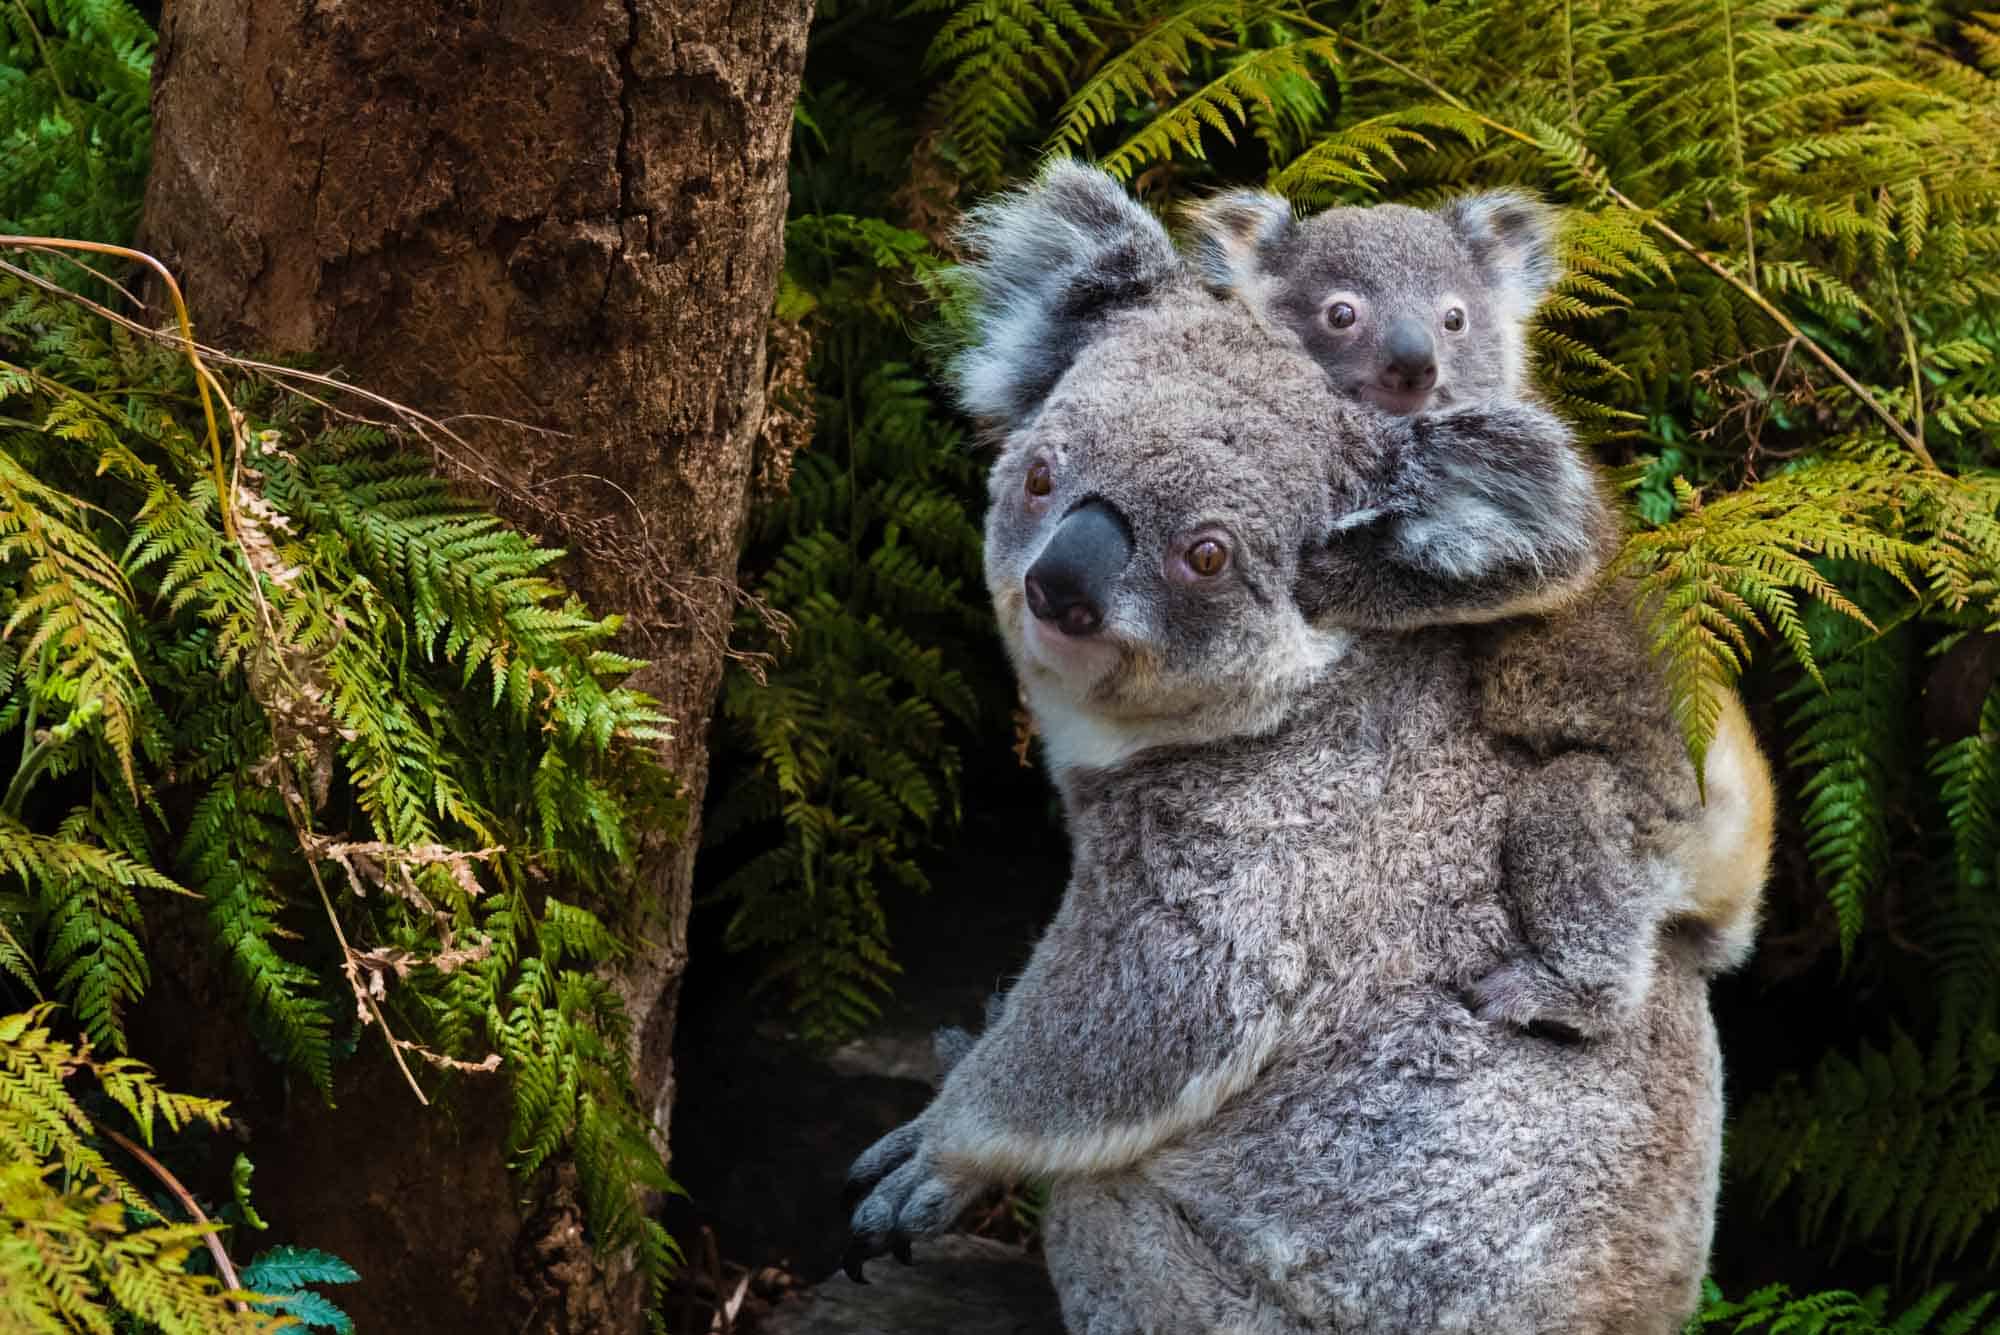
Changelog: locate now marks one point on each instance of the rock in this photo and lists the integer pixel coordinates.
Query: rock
(959, 1286)
(893, 1056)
(765, 1125)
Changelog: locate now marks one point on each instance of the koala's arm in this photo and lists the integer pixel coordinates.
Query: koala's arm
(1608, 841)
(1470, 515)
(1132, 1024)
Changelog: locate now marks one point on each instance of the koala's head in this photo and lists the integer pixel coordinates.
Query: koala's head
(1407, 309)
(1163, 464)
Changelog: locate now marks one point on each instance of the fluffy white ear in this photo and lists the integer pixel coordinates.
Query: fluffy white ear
(1231, 234)
(1050, 261)
(1513, 235)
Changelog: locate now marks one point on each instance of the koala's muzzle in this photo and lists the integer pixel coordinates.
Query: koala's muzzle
(1069, 585)
(1409, 357)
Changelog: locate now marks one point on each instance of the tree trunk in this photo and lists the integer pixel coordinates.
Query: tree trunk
(564, 212)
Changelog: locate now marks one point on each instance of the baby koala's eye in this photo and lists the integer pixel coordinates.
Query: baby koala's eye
(1041, 481)
(1207, 558)
(1454, 320)
(1340, 315)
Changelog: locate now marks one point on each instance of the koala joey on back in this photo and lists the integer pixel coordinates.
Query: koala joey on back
(1411, 310)
(1420, 311)
(1247, 1054)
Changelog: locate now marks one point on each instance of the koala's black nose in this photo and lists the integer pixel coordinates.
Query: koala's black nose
(1069, 585)
(1409, 358)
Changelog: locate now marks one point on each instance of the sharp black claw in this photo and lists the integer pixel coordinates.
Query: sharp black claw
(852, 1259)
(899, 1248)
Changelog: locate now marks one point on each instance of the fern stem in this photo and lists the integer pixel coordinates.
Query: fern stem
(1736, 137)
(33, 759)
(188, 1203)
(1909, 350)
(29, 748)
(347, 951)
(1569, 59)
(204, 379)
(77, 121)
(1660, 227)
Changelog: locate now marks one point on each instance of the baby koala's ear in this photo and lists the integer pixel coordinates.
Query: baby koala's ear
(1512, 235)
(1233, 235)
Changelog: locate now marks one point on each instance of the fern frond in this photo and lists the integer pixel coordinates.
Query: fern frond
(1848, 724)
(80, 1242)
(1895, 1140)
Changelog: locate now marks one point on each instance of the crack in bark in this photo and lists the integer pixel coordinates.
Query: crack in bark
(319, 178)
(628, 80)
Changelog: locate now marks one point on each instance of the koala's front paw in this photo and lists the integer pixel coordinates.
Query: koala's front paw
(1526, 994)
(901, 1195)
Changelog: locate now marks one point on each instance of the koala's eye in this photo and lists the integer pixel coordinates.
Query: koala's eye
(1454, 320)
(1041, 481)
(1340, 315)
(1207, 558)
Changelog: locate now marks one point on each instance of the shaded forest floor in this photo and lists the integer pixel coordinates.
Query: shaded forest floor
(765, 1125)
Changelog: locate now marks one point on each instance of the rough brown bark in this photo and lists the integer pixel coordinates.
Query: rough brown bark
(564, 212)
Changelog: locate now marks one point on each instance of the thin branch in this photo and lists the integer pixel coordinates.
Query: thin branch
(347, 952)
(212, 1237)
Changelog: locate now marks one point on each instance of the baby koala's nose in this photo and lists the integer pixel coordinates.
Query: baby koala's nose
(1409, 358)
(1069, 585)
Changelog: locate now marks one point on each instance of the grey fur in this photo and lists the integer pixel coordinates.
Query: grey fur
(1489, 255)
(1485, 510)
(1488, 510)
(1058, 255)
(1246, 1051)
(1474, 514)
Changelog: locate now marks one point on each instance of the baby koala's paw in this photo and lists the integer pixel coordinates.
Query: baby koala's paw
(1524, 993)
(895, 1192)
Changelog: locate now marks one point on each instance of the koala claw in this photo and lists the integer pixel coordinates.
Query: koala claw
(852, 1259)
(1523, 993)
(901, 1197)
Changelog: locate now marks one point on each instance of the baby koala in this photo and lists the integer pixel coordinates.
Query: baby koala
(1410, 310)
(1425, 312)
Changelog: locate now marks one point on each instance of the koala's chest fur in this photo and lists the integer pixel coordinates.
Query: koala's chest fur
(1352, 855)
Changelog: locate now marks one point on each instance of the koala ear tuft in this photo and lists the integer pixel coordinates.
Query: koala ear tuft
(1232, 234)
(1050, 261)
(1513, 236)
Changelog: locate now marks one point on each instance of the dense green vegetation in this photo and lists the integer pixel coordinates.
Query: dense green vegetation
(339, 705)
(847, 751)
(254, 653)
(352, 716)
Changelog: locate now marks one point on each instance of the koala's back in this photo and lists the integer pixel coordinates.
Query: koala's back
(1400, 1166)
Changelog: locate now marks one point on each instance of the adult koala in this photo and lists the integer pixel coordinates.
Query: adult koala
(1243, 1054)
